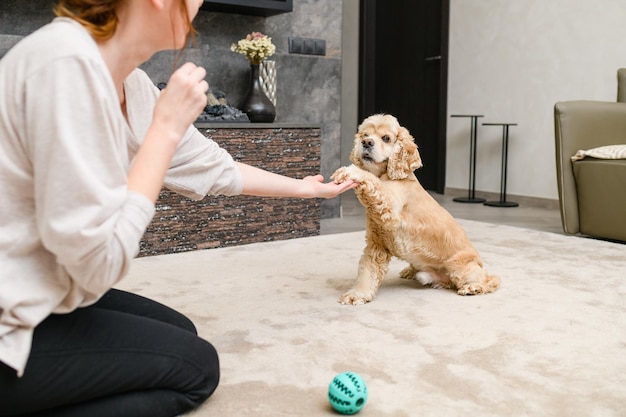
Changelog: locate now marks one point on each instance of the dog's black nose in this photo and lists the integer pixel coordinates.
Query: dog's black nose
(367, 143)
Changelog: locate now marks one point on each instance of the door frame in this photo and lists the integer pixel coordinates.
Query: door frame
(367, 77)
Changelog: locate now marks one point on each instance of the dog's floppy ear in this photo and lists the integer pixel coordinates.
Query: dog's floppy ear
(354, 155)
(405, 157)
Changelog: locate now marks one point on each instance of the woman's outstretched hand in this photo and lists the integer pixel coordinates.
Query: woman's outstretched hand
(328, 189)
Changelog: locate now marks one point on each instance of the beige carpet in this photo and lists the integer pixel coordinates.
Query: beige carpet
(550, 342)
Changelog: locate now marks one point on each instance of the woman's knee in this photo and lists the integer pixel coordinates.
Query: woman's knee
(208, 374)
(135, 304)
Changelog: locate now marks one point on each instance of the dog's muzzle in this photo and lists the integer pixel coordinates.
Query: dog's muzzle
(367, 150)
(366, 155)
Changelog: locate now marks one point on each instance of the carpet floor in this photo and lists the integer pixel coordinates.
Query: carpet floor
(550, 342)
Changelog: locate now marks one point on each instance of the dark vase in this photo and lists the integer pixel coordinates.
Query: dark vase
(257, 105)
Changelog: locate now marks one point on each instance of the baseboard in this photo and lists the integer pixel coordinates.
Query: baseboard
(523, 200)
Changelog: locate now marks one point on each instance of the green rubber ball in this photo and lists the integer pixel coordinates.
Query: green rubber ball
(347, 393)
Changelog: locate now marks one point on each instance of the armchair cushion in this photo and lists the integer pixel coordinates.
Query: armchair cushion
(591, 191)
(601, 189)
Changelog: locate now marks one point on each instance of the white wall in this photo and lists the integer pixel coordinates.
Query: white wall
(511, 60)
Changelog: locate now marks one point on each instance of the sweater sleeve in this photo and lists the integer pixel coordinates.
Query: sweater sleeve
(199, 166)
(77, 143)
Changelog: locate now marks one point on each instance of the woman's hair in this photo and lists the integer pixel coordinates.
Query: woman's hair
(99, 18)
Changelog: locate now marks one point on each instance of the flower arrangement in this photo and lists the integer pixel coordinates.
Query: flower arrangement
(256, 47)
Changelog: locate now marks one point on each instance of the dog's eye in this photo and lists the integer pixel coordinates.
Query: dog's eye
(386, 139)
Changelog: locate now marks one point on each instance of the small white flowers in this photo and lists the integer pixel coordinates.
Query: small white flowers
(256, 47)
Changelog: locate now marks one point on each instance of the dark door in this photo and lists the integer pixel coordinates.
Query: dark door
(403, 72)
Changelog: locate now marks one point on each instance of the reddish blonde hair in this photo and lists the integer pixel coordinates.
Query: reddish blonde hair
(99, 18)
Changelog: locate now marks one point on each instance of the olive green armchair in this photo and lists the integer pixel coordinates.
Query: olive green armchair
(621, 85)
(592, 192)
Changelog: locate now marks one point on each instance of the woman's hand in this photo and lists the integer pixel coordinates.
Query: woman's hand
(176, 109)
(329, 189)
(182, 101)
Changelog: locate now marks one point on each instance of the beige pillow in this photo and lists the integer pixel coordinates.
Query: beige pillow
(603, 152)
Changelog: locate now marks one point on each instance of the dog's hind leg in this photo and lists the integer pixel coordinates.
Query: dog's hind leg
(373, 267)
(435, 279)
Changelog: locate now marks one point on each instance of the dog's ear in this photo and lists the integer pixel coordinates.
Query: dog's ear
(354, 155)
(405, 157)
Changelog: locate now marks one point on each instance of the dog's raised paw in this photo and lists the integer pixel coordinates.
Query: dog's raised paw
(344, 174)
(341, 175)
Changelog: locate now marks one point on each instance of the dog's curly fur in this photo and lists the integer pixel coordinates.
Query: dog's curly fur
(403, 220)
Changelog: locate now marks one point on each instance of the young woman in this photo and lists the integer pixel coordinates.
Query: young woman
(86, 143)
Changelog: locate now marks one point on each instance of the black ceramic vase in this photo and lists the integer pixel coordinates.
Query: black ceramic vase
(257, 105)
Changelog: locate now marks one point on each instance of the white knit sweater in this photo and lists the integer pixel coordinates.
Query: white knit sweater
(68, 225)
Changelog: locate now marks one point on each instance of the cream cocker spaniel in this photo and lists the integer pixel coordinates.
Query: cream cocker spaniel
(404, 220)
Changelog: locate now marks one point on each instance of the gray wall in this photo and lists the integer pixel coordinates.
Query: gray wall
(308, 89)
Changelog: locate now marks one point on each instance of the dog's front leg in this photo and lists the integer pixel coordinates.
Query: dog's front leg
(373, 267)
(370, 193)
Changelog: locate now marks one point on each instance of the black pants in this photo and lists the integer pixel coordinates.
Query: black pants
(123, 356)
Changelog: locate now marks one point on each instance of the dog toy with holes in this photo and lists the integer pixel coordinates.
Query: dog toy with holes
(347, 393)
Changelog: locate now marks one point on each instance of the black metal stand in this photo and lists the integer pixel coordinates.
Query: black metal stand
(505, 150)
(471, 198)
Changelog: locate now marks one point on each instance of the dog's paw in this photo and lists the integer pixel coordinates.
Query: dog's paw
(354, 298)
(344, 174)
(341, 175)
(473, 288)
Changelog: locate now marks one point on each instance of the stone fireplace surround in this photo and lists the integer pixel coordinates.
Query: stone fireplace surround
(182, 224)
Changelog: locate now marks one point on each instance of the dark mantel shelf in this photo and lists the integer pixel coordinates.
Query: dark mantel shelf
(263, 8)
